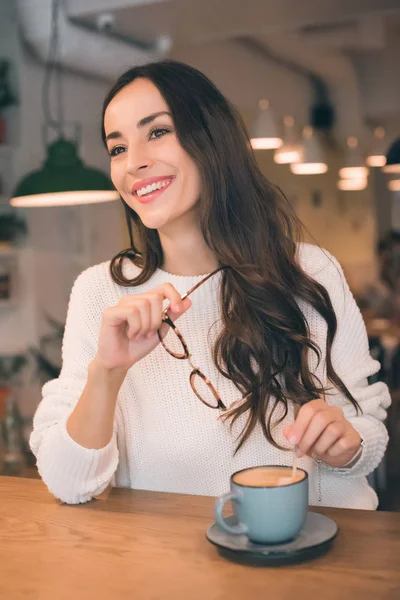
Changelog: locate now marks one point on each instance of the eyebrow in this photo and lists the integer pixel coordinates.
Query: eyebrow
(142, 123)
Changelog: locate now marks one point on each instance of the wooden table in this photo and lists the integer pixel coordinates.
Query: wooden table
(144, 545)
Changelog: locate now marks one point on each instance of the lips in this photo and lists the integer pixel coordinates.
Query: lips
(153, 194)
(145, 182)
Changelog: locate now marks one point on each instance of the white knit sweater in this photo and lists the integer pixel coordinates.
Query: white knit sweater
(165, 439)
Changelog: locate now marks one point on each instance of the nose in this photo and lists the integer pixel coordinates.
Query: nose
(138, 159)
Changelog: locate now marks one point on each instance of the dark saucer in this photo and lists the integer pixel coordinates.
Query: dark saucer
(314, 539)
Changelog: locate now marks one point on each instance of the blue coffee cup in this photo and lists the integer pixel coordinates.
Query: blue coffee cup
(270, 506)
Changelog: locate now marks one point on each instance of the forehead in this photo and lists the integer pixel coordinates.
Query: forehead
(134, 102)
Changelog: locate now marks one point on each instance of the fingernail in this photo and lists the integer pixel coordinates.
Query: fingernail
(293, 439)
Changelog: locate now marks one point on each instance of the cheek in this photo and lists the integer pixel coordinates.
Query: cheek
(116, 174)
(198, 182)
(192, 178)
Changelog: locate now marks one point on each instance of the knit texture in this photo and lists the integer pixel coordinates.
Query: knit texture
(165, 439)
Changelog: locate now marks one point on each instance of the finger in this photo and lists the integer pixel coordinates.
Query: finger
(288, 429)
(143, 306)
(173, 316)
(317, 425)
(303, 419)
(329, 437)
(114, 316)
(127, 300)
(185, 305)
(156, 302)
(170, 293)
(345, 444)
(166, 291)
(134, 323)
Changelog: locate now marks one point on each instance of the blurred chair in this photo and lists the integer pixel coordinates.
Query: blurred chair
(384, 344)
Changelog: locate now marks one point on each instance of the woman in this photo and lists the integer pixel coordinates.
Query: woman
(274, 327)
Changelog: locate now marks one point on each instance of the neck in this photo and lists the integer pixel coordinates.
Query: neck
(186, 253)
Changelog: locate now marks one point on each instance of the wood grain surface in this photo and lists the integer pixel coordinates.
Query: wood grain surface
(148, 545)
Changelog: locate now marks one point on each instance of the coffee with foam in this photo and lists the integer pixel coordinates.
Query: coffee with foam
(267, 477)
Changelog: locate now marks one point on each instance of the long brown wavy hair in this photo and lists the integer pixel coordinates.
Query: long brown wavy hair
(250, 226)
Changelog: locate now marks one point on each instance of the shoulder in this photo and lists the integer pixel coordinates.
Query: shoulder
(95, 288)
(317, 261)
(99, 277)
(93, 277)
(324, 268)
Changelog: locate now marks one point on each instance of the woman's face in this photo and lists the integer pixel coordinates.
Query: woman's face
(155, 176)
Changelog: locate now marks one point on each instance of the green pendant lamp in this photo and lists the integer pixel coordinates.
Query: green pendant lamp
(63, 178)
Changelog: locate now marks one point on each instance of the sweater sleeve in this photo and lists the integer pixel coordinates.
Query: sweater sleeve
(353, 363)
(71, 472)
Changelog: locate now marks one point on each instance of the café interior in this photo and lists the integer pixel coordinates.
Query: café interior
(317, 85)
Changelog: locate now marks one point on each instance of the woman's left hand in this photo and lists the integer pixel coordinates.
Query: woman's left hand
(322, 432)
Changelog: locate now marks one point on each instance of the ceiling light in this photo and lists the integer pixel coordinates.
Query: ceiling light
(376, 157)
(265, 135)
(354, 165)
(311, 156)
(63, 180)
(289, 151)
(353, 184)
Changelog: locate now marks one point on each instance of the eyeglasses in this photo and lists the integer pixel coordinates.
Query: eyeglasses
(175, 344)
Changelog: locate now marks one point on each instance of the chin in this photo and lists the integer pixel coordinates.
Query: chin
(153, 226)
(151, 221)
(160, 219)
(154, 223)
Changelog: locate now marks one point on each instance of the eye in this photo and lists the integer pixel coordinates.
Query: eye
(116, 150)
(158, 132)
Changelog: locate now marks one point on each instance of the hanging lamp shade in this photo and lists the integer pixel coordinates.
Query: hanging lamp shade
(393, 158)
(354, 165)
(265, 134)
(63, 180)
(376, 156)
(353, 184)
(289, 151)
(311, 155)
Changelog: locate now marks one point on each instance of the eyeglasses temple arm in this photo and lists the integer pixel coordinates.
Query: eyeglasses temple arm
(202, 281)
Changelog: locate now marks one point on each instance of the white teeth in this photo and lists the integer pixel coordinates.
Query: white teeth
(151, 188)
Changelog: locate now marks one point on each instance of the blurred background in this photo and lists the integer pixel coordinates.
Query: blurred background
(317, 83)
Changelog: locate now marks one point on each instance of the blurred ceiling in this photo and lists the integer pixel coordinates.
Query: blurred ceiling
(338, 22)
(352, 46)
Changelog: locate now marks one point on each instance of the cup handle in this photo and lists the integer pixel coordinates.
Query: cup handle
(240, 528)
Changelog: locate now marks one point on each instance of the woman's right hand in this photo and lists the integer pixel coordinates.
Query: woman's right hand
(129, 330)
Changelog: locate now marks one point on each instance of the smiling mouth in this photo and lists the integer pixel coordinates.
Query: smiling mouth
(149, 190)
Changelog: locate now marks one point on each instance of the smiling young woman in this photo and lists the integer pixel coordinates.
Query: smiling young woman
(271, 347)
